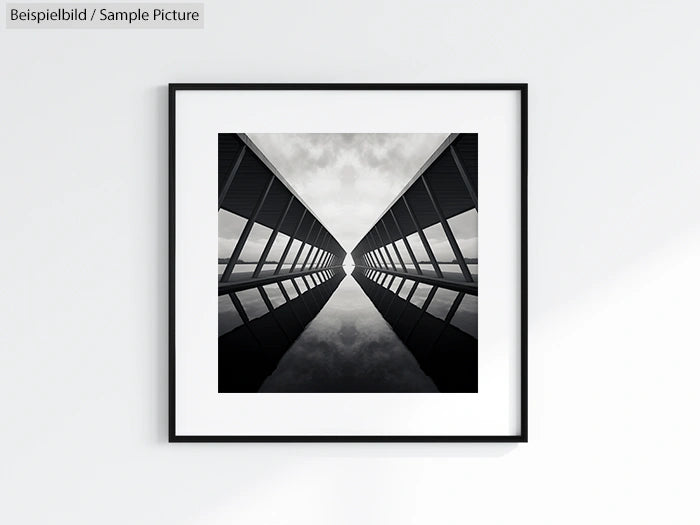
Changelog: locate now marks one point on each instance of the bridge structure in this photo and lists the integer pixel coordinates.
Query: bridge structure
(445, 187)
(427, 295)
(425, 301)
(252, 188)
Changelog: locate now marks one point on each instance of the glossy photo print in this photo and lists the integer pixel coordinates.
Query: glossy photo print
(348, 263)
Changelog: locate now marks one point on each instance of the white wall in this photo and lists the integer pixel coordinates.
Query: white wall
(615, 268)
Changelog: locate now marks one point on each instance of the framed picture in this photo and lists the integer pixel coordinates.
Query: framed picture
(370, 281)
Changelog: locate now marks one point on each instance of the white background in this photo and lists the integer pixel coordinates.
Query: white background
(201, 410)
(614, 280)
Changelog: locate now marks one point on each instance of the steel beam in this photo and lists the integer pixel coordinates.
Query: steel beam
(245, 284)
(448, 319)
(365, 253)
(396, 293)
(318, 253)
(428, 299)
(398, 255)
(448, 232)
(306, 240)
(288, 299)
(271, 240)
(231, 175)
(268, 303)
(408, 298)
(374, 259)
(246, 231)
(309, 289)
(458, 286)
(313, 245)
(327, 260)
(244, 317)
(284, 292)
(381, 256)
(405, 242)
(388, 289)
(296, 287)
(324, 251)
(383, 245)
(323, 259)
(454, 307)
(375, 253)
(465, 177)
(289, 243)
(368, 251)
(427, 247)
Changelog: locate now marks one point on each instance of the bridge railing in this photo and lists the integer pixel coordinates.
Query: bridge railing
(430, 230)
(255, 199)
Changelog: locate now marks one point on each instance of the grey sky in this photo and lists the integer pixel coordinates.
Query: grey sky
(348, 180)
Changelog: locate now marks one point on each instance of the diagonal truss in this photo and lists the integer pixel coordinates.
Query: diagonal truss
(445, 187)
(252, 188)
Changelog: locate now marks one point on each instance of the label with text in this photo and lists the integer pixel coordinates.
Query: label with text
(104, 16)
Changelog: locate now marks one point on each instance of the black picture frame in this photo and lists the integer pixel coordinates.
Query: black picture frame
(522, 88)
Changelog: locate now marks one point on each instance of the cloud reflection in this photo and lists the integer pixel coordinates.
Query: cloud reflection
(348, 347)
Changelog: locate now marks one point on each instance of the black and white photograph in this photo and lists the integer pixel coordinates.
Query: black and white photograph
(362, 274)
(348, 262)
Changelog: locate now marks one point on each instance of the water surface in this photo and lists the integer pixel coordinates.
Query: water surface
(348, 347)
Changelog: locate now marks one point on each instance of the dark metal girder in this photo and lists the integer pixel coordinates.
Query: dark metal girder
(383, 245)
(289, 243)
(231, 175)
(318, 252)
(304, 242)
(458, 286)
(398, 255)
(246, 231)
(448, 233)
(405, 242)
(465, 177)
(271, 240)
(238, 286)
(312, 246)
(426, 245)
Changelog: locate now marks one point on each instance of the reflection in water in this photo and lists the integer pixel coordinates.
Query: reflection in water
(290, 322)
(323, 333)
(259, 325)
(438, 325)
(348, 347)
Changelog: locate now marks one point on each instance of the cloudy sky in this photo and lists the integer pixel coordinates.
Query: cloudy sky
(348, 180)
